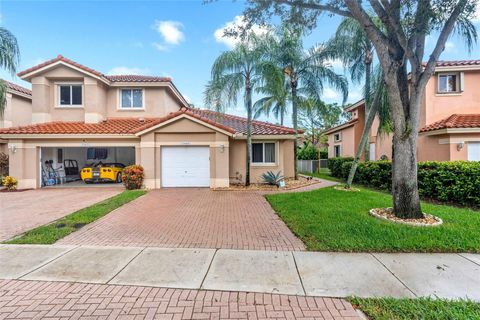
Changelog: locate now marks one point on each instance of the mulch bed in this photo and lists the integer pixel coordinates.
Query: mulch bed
(290, 184)
(387, 214)
(16, 190)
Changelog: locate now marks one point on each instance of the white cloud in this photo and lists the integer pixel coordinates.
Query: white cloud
(160, 47)
(450, 47)
(170, 31)
(330, 94)
(476, 15)
(126, 70)
(238, 21)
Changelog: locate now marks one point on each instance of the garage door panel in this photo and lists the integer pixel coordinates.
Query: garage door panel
(185, 166)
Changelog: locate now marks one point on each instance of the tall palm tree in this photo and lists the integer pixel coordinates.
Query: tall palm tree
(276, 96)
(237, 72)
(9, 59)
(305, 72)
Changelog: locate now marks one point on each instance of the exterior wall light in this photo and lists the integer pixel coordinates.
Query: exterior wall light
(13, 148)
(460, 146)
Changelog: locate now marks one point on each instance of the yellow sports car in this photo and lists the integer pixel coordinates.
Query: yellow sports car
(102, 172)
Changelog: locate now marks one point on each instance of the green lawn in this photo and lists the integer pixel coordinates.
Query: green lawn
(424, 309)
(324, 173)
(52, 232)
(332, 220)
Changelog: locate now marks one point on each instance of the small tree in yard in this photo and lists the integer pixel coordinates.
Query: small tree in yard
(400, 48)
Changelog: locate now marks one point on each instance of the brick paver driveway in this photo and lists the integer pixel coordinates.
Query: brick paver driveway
(61, 300)
(22, 211)
(195, 218)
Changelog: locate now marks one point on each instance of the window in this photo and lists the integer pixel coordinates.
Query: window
(263, 152)
(131, 98)
(448, 83)
(336, 150)
(70, 94)
(97, 153)
(337, 137)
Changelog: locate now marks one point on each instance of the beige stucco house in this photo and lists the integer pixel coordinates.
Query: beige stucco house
(19, 98)
(449, 119)
(80, 114)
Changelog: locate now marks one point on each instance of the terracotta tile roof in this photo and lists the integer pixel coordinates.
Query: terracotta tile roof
(456, 63)
(341, 126)
(17, 88)
(136, 78)
(112, 78)
(455, 121)
(130, 126)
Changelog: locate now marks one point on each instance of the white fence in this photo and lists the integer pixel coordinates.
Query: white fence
(311, 165)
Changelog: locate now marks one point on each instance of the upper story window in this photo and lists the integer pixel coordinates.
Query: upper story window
(263, 153)
(70, 94)
(131, 99)
(448, 83)
(337, 137)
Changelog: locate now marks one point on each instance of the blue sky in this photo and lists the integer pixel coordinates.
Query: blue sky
(179, 39)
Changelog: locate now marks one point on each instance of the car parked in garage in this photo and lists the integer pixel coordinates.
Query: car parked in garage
(102, 172)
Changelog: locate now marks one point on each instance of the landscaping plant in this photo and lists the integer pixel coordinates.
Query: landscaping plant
(132, 177)
(272, 178)
(3, 164)
(10, 183)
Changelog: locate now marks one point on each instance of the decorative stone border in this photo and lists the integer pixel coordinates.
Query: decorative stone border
(414, 223)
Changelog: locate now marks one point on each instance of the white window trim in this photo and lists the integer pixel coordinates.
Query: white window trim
(119, 100)
(339, 150)
(265, 164)
(57, 95)
(457, 80)
(339, 135)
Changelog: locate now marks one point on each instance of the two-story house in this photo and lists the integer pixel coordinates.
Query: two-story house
(19, 98)
(80, 114)
(449, 119)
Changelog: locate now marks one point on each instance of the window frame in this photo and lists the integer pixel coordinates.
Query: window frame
(339, 151)
(457, 82)
(122, 108)
(58, 94)
(263, 163)
(339, 137)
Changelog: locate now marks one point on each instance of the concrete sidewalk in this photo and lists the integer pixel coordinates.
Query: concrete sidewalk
(294, 273)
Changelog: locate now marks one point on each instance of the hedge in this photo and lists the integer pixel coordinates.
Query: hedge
(454, 181)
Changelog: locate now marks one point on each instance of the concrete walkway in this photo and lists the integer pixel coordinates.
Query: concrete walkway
(295, 273)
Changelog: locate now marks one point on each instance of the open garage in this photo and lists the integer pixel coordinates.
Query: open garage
(82, 166)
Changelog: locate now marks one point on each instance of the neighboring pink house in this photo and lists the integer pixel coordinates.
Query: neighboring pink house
(20, 99)
(449, 119)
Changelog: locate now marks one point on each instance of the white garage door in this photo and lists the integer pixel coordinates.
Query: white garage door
(473, 151)
(185, 166)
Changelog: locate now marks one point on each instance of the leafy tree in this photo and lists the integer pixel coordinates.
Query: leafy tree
(9, 59)
(306, 72)
(400, 48)
(237, 72)
(316, 116)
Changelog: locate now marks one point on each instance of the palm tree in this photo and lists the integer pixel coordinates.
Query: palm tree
(276, 96)
(305, 72)
(236, 72)
(9, 59)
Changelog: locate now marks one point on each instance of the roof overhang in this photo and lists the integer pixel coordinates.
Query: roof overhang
(457, 68)
(449, 131)
(355, 105)
(268, 136)
(340, 127)
(29, 75)
(184, 116)
(20, 94)
(67, 136)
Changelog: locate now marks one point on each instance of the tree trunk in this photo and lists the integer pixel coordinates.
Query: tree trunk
(293, 84)
(406, 200)
(368, 70)
(281, 118)
(365, 135)
(248, 102)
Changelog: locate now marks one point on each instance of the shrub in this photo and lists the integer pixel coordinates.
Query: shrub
(132, 177)
(307, 152)
(3, 164)
(335, 166)
(10, 183)
(449, 181)
(323, 154)
(271, 178)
